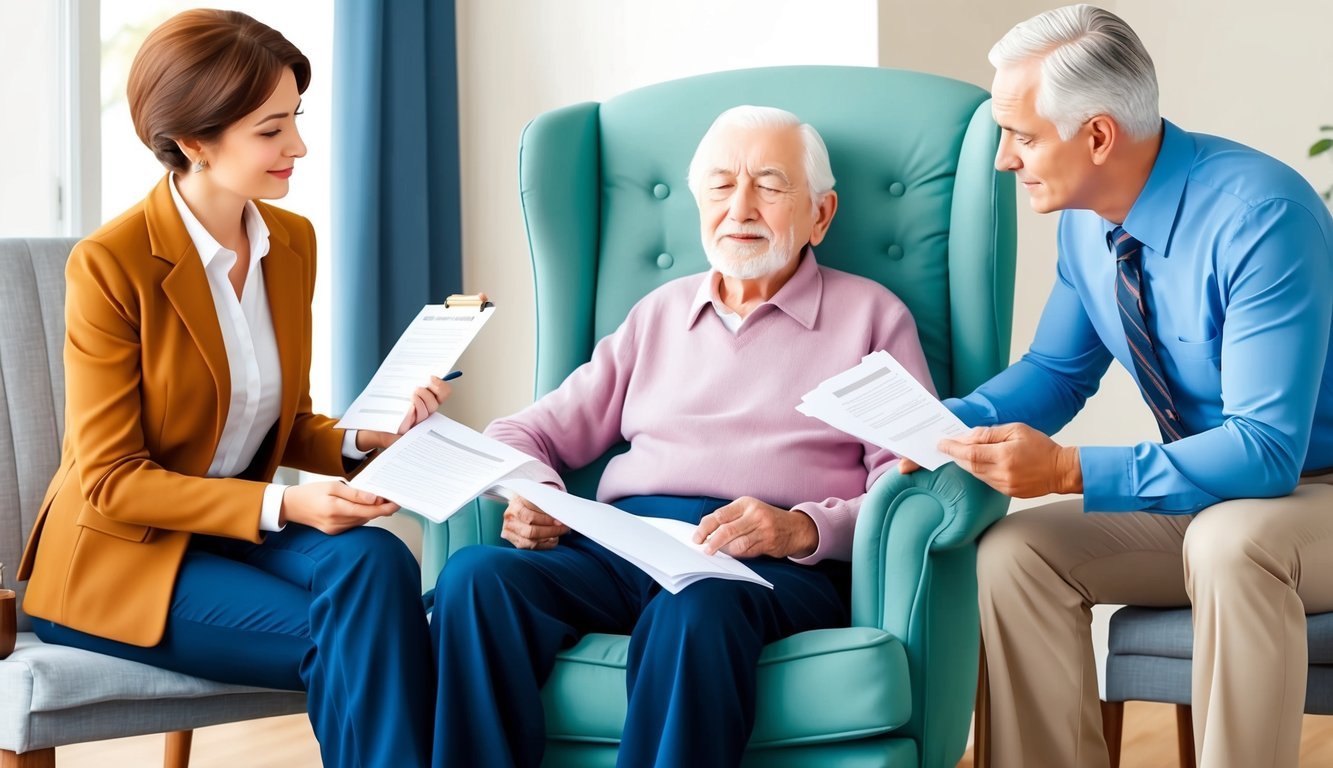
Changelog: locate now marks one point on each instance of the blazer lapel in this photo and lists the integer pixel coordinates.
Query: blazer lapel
(186, 287)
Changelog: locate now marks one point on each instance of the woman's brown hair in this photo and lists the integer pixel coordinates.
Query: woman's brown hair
(200, 72)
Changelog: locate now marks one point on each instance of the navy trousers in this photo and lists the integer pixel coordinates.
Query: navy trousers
(339, 617)
(501, 616)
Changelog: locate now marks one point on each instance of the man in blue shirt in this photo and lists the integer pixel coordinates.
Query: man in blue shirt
(1206, 269)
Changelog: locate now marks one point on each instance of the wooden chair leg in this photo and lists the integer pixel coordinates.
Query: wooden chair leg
(41, 758)
(1113, 728)
(1185, 734)
(981, 716)
(178, 749)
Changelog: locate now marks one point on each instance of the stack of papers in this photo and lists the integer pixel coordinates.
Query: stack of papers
(440, 465)
(429, 347)
(662, 548)
(880, 402)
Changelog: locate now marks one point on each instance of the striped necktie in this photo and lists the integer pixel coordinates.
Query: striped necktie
(1129, 296)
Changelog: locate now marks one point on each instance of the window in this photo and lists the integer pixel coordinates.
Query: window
(33, 144)
(69, 157)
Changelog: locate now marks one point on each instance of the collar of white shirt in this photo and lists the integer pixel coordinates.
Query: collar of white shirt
(208, 246)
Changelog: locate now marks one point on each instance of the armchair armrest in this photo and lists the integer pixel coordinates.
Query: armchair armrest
(477, 523)
(903, 519)
(914, 576)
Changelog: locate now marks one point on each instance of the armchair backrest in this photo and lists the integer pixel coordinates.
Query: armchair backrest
(32, 387)
(921, 208)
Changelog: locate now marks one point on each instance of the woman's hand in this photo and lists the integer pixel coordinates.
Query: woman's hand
(527, 527)
(332, 507)
(425, 401)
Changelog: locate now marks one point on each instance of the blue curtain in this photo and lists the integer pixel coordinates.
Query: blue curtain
(395, 208)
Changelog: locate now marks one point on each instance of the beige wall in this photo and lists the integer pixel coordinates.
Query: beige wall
(518, 58)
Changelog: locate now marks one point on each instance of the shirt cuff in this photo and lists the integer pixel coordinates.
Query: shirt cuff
(270, 514)
(969, 413)
(350, 450)
(1108, 478)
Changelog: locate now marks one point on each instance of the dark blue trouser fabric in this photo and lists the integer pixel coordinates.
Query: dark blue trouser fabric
(501, 616)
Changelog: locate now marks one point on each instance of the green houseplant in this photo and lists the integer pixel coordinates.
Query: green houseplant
(1319, 148)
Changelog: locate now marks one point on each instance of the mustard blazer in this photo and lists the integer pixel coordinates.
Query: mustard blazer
(147, 390)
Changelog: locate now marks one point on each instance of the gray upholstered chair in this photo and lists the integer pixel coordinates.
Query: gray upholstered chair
(1149, 660)
(52, 695)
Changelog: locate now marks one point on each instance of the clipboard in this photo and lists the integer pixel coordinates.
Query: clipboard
(467, 300)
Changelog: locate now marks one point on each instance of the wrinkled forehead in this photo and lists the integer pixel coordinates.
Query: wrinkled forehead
(755, 152)
(1014, 88)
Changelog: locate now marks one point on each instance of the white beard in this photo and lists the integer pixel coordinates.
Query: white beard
(741, 261)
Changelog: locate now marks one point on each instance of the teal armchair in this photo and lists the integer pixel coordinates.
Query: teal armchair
(923, 211)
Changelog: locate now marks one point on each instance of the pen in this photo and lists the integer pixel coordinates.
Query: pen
(450, 376)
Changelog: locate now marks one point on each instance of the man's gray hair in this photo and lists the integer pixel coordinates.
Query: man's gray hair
(1092, 63)
(818, 172)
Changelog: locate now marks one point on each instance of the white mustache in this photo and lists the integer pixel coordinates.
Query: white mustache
(755, 230)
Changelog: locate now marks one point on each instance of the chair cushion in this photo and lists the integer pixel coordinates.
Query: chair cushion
(814, 687)
(56, 695)
(59, 677)
(1169, 633)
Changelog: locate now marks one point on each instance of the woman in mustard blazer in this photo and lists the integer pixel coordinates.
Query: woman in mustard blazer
(187, 356)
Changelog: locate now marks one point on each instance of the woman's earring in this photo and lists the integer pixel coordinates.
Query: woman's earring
(199, 166)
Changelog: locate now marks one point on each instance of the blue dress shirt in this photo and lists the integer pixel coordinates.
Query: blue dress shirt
(1238, 270)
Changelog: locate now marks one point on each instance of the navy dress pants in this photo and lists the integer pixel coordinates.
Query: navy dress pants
(502, 614)
(339, 617)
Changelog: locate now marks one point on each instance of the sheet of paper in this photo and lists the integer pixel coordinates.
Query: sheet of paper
(439, 466)
(880, 402)
(429, 347)
(653, 544)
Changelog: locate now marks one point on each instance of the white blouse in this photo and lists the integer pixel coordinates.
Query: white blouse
(252, 353)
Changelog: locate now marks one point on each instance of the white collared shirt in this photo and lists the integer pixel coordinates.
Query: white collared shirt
(252, 353)
(708, 291)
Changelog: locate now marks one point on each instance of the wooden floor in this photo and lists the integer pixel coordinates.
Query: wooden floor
(1150, 738)
(287, 742)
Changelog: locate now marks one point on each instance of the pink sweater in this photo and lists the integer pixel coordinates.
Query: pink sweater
(709, 413)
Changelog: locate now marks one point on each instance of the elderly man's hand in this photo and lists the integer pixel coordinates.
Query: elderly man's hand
(747, 527)
(1017, 460)
(527, 527)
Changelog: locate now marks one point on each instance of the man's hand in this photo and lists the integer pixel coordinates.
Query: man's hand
(1017, 460)
(425, 401)
(331, 507)
(527, 527)
(747, 527)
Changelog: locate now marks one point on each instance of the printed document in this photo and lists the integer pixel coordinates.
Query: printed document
(429, 347)
(440, 465)
(660, 547)
(880, 402)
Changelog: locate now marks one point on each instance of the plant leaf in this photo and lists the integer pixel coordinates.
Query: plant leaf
(1320, 147)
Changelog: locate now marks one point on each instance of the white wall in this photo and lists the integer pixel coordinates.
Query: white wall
(517, 59)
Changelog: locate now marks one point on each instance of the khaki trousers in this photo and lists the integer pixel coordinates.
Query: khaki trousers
(1251, 568)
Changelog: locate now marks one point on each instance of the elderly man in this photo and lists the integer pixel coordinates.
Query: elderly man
(1203, 267)
(702, 380)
